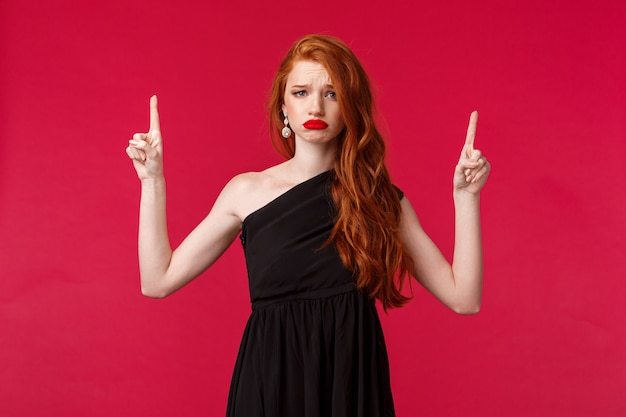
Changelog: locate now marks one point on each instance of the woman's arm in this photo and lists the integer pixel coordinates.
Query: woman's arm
(459, 285)
(162, 270)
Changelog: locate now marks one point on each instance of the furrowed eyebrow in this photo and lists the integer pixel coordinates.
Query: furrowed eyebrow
(329, 86)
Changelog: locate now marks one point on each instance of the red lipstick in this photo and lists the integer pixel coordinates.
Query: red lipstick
(315, 124)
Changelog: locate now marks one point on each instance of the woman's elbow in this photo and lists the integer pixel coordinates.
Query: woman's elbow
(152, 294)
(466, 309)
(152, 291)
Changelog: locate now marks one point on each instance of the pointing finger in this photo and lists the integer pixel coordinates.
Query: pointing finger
(471, 129)
(155, 124)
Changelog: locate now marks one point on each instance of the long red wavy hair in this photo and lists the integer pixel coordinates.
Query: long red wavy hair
(366, 231)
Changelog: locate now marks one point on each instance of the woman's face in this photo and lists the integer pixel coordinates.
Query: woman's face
(311, 104)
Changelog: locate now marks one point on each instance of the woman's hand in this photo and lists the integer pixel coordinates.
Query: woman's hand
(472, 170)
(146, 149)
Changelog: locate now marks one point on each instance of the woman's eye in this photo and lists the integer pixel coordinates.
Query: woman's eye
(332, 94)
(300, 93)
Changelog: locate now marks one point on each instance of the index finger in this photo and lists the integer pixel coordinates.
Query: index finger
(471, 129)
(155, 124)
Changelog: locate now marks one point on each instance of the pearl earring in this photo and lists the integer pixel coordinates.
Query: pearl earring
(286, 132)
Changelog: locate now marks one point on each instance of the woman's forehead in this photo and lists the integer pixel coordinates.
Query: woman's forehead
(308, 72)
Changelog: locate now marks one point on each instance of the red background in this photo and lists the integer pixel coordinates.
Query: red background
(78, 339)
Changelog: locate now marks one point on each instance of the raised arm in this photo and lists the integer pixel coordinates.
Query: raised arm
(459, 286)
(162, 270)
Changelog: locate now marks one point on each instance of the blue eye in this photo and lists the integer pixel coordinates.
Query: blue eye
(332, 94)
(300, 93)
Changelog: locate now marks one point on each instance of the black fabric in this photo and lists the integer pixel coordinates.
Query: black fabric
(313, 345)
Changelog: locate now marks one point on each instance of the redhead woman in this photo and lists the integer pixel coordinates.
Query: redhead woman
(325, 234)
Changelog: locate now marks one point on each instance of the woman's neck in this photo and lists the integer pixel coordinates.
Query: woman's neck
(311, 159)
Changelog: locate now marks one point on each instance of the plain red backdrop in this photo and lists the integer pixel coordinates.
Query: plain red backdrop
(78, 339)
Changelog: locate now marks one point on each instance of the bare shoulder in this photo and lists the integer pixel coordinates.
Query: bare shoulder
(249, 191)
(246, 182)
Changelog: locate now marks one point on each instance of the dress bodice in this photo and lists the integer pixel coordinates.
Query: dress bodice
(284, 244)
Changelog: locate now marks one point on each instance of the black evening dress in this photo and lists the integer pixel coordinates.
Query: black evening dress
(313, 345)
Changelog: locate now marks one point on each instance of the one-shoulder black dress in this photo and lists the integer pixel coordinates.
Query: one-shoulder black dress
(313, 345)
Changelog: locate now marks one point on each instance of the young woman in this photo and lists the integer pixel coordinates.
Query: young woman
(325, 234)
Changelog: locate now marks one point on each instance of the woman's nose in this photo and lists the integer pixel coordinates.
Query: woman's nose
(316, 106)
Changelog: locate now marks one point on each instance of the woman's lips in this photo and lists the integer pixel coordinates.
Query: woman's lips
(315, 124)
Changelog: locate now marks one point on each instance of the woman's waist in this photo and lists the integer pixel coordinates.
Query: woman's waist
(302, 295)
